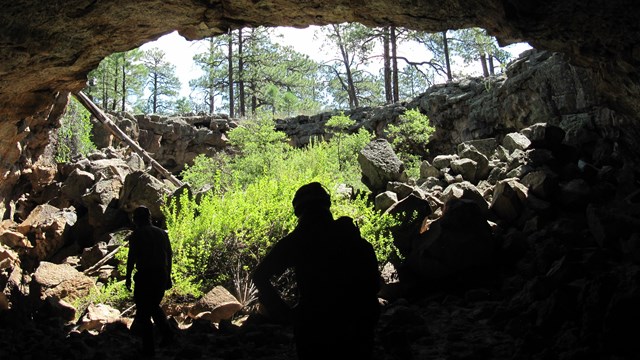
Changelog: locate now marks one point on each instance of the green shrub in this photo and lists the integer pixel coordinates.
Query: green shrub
(344, 145)
(113, 293)
(205, 172)
(232, 229)
(410, 137)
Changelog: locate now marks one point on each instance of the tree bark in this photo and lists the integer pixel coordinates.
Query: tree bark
(124, 82)
(230, 58)
(241, 95)
(351, 89)
(387, 66)
(447, 61)
(394, 63)
(483, 61)
(491, 66)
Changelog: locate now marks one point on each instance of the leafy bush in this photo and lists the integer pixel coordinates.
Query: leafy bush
(205, 172)
(410, 137)
(346, 147)
(114, 294)
(233, 228)
(74, 134)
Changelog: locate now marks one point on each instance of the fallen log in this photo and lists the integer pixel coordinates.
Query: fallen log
(96, 267)
(115, 130)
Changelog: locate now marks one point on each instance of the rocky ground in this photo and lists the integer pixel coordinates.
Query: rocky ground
(439, 326)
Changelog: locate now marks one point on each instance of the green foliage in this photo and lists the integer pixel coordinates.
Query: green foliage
(74, 134)
(410, 137)
(224, 234)
(475, 44)
(338, 126)
(162, 82)
(118, 78)
(211, 237)
(113, 293)
(205, 172)
(214, 65)
(350, 84)
(340, 123)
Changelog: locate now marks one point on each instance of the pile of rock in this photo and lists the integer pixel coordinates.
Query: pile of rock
(565, 237)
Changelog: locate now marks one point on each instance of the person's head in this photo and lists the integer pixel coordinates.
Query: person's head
(312, 196)
(141, 216)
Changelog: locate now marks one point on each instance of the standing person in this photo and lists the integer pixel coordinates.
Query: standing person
(150, 253)
(337, 278)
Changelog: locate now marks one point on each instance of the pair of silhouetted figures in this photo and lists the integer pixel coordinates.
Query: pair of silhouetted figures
(335, 269)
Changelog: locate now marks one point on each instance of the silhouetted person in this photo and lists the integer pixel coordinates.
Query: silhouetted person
(150, 253)
(337, 279)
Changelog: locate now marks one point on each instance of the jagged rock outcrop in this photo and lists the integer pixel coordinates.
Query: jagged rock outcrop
(537, 87)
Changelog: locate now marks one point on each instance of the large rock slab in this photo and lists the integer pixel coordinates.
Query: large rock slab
(216, 305)
(380, 165)
(61, 281)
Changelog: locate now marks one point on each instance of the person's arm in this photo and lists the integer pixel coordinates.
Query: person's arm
(169, 260)
(273, 264)
(131, 260)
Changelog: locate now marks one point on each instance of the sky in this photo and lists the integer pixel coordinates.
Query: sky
(180, 52)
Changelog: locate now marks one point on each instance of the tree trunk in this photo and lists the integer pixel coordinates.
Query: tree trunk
(115, 130)
(155, 93)
(254, 99)
(387, 66)
(447, 61)
(483, 61)
(124, 84)
(116, 76)
(212, 88)
(243, 109)
(491, 67)
(351, 89)
(394, 61)
(105, 94)
(230, 59)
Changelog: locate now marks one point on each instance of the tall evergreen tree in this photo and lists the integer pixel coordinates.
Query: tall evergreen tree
(162, 82)
(474, 44)
(271, 73)
(213, 63)
(118, 77)
(348, 72)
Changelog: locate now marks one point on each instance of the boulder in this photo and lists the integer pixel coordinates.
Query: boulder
(142, 189)
(215, 306)
(46, 225)
(379, 165)
(61, 282)
(385, 200)
(97, 316)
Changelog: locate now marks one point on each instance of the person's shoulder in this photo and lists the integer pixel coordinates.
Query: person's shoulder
(345, 225)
